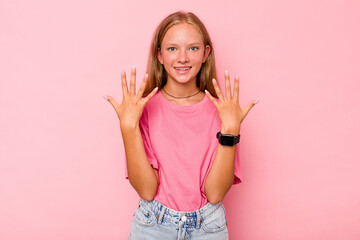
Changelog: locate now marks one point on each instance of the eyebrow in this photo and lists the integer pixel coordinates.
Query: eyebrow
(174, 44)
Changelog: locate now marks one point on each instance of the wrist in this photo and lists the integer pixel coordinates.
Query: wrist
(231, 131)
(129, 127)
(228, 139)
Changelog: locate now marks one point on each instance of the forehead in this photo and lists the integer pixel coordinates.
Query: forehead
(182, 33)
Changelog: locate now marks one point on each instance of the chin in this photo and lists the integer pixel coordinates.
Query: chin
(183, 78)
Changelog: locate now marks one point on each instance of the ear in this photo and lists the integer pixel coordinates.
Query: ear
(158, 55)
(206, 52)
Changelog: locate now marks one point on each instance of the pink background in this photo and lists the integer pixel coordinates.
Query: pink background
(62, 173)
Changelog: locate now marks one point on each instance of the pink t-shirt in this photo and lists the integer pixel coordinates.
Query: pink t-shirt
(180, 141)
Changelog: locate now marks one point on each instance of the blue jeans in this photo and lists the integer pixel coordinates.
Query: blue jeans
(154, 221)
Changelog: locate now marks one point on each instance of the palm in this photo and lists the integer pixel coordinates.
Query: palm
(230, 112)
(131, 108)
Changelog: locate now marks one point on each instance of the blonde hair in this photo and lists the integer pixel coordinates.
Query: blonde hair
(156, 71)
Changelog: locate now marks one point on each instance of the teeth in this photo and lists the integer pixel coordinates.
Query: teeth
(182, 69)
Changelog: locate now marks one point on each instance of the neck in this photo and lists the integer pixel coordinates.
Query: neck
(181, 90)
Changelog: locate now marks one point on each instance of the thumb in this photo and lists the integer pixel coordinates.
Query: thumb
(151, 94)
(112, 101)
(249, 106)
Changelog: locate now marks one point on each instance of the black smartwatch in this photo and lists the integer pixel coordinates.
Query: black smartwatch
(227, 139)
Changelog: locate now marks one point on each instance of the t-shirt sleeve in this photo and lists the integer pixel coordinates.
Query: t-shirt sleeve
(144, 129)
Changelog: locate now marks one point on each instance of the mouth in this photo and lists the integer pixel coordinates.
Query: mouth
(182, 70)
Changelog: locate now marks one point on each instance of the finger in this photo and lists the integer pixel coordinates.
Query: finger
(133, 81)
(236, 89)
(124, 86)
(227, 85)
(150, 95)
(249, 106)
(217, 90)
(112, 101)
(142, 87)
(212, 99)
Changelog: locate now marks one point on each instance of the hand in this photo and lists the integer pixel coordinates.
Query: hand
(132, 106)
(230, 112)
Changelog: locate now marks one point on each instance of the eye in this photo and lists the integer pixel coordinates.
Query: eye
(171, 49)
(194, 48)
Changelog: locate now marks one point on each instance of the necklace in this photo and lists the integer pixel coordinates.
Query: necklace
(180, 97)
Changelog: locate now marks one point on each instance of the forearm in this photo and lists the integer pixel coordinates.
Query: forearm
(141, 175)
(221, 175)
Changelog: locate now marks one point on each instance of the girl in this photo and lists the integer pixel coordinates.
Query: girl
(180, 145)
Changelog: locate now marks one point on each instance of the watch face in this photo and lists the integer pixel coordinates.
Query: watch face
(227, 140)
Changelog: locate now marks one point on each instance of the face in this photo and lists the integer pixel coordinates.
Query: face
(182, 53)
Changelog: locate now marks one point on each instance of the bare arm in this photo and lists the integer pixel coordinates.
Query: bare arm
(142, 176)
(221, 175)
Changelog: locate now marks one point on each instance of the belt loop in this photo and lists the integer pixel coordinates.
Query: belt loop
(198, 219)
(162, 212)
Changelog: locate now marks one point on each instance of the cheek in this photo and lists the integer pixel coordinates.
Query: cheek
(168, 58)
(198, 59)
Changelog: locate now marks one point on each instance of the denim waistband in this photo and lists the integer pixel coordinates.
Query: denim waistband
(191, 218)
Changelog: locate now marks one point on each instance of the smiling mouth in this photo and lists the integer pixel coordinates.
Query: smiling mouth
(182, 68)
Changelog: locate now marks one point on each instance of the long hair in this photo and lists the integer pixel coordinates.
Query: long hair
(157, 74)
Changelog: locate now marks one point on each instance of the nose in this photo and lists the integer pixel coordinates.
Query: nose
(183, 56)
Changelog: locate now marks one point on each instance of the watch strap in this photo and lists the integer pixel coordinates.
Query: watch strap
(227, 139)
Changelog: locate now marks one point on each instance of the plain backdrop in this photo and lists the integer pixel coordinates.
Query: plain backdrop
(62, 172)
